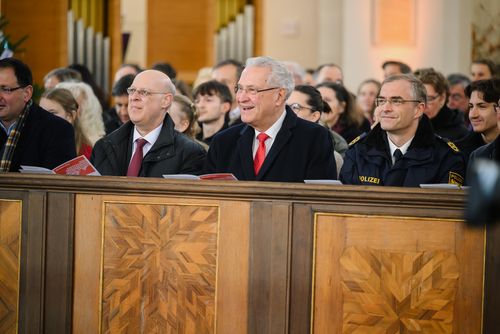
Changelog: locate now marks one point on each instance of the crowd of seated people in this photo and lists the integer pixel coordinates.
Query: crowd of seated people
(253, 113)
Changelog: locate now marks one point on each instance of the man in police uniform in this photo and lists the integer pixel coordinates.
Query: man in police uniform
(402, 150)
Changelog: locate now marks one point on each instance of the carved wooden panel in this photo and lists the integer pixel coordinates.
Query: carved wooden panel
(396, 275)
(159, 268)
(10, 240)
(385, 291)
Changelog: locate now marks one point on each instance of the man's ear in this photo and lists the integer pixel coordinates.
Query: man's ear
(226, 107)
(166, 102)
(281, 96)
(27, 93)
(419, 110)
(316, 116)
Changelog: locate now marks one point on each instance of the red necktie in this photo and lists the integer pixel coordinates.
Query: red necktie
(136, 162)
(261, 152)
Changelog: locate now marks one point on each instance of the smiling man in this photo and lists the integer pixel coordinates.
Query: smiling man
(272, 144)
(402, 150)
(148, 145)
(29, 135)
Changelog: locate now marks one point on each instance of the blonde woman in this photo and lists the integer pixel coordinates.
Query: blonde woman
(89, 111)
(60, 102)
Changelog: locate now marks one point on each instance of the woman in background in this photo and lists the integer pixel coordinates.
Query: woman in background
(61, 102)
(89, 111)
(183, 113)
(344, 118)
(367, 92)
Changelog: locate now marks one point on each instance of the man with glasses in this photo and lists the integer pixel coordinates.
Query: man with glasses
(272, 143)
(457, 99)
(148, 145)
(29, 135)
(402, 150)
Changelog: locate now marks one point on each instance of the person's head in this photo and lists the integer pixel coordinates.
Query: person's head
(401, 104)
(89, 109)
(456, 97)
(393, 67)
(60, 102)
(262, 91)
(307, 103)
(126, 69)
(437, 89)
(482, 69)
(183, 114)
(483, 98)
(166, 68)
(61, 74)
(228, 72)
(120, 96)
(367, 92)
(328, 73)
(297, 71)
(309, 77)
(16, 89)
(212, 100)
(341, 104)
(150, 96)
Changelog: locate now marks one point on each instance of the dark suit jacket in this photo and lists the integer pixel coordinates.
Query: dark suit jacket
(172, 153)
(46, 141)
(302, 150)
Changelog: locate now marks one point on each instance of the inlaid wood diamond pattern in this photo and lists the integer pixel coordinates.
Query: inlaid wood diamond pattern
(398, 292)
(10, 227)
(159, 269)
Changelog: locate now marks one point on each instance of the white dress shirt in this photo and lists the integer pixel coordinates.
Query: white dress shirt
(272, 132)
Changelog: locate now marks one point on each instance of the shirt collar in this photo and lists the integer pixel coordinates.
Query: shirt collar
(151, 137)
(272, 132)
(403, 148)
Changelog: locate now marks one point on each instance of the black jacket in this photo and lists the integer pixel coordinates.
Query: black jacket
(302, 150)
(172, 153)
(429, 159)
(490, 151)
(46, 141)
(449, 124)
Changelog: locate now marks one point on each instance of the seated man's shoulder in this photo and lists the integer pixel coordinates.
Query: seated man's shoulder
(358, 139)
(446, 145)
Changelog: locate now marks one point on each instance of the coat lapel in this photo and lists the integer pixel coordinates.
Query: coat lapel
(245, 143)
(282, 138)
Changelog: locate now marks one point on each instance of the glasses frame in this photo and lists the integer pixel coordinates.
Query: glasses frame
(8, 91)
(300, 107)
(391, 100)
(252, 91)
(142, 92)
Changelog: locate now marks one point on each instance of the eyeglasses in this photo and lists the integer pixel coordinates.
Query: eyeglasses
(252, 90)
(456, 97)
(7, 90)
(394, 101)
(297, 107)
(142, 92)
(432, 98)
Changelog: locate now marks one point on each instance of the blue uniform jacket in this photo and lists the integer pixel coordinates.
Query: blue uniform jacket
(429, 159)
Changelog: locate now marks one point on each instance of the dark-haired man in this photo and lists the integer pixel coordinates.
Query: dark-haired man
(402, 150)
(393, 67)
(328, 73)
(118, 114)
(228, 72)
(213, 101)
(29, 135)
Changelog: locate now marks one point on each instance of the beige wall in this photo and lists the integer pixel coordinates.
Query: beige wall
(320, 31)
(134, 21)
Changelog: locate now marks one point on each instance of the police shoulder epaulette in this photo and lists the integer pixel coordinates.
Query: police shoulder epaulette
(358, 138)
(449, 143)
